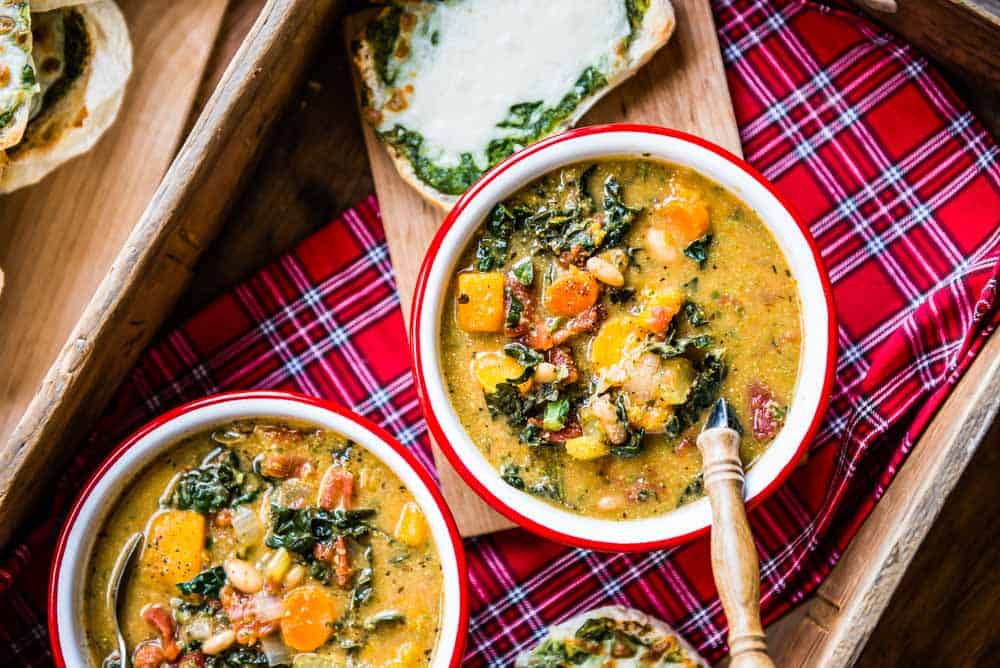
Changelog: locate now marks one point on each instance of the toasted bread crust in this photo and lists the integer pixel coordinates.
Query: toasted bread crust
(658, 25)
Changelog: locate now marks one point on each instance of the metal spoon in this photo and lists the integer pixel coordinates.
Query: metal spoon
(119, 576)
(734, 557)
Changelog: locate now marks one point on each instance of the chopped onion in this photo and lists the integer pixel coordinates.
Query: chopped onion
(200, 628)
(277, 652)
(247, 527)
(268, 607)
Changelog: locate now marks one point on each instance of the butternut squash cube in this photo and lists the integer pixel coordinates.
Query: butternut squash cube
(677, 376)
(493, 368)
(659, 308)
(407, 656)
(174, 545)
(683, 220)
(572, 293)
(611, 341)
(479, 303)
(411, 527)
(586, 447)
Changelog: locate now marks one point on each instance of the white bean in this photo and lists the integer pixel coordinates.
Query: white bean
(243, 575)
(604, 410)
(611, 502)
(659, 247)
(545, 372)
(295, 576)
(605, 272)
(218, 643)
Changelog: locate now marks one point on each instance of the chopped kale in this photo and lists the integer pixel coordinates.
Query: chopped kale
(618, 217)
(546, 487)
(556, 413)
(557, 654)
(634, 437)
(453, 180)
(363, 589)
(524, 272)
(531, 435)
(694, 490)
(515, 309)
(238, 656)
(703, 393)
(507, 400)
(698, 250)
(527, 357)
(620, 295)
(511, 474)
(208, 583)
(300, 529)
(677, 347)
(217, 485)
(694, 314)
(384, 618)
(491, 253)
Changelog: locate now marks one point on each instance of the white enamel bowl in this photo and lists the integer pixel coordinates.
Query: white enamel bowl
(818, 351)
(121, 468)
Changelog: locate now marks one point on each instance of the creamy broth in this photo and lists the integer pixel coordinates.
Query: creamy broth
(594, 318)
(264, 536)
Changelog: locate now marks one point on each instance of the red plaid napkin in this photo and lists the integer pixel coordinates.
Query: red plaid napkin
(901, 187)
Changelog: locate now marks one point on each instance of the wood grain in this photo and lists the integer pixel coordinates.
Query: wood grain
(832, 628)
(962, 35)
(59, 238)
(184, 214)
(683, 87)
(735, 566)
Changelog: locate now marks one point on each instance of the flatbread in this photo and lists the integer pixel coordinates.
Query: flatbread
(586, 640)
(75, 123)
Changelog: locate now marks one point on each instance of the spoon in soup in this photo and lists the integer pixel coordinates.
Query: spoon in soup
(734, 557)
(119, 577)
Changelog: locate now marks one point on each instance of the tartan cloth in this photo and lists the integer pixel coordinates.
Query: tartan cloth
(901, 188)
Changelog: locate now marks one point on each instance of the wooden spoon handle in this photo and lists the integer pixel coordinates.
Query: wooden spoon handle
(734, 557)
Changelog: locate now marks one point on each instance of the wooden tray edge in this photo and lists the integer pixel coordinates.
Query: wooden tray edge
(832, 628)
(156, 261)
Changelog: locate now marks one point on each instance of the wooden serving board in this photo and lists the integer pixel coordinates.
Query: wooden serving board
(682, 87)
(58, 239)
(91, 269)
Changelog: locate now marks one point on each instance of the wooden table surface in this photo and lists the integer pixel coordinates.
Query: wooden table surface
(948, 603)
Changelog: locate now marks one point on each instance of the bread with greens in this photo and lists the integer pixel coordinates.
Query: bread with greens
(452, 88)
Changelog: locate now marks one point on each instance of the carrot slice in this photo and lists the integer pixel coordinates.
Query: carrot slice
(684, 220)
(307, 621)
(572, 293)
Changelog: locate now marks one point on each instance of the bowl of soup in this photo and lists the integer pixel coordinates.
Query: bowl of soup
(587, 301)
(277, 530)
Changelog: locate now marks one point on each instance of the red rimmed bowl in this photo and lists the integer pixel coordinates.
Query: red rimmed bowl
(97, 500)
(818, 351)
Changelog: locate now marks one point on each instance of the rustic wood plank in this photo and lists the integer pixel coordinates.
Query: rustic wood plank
(59, 238)
(185, 213)
(837, 622)
(962, 35)
(683, 86)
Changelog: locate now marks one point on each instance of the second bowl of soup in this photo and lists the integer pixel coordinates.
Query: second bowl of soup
(587, 301)
(276, 530)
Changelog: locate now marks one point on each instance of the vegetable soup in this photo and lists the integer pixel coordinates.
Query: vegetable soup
(268, 543)
(594, 318)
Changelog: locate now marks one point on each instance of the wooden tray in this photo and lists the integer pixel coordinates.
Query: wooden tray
(315, 165)
(88, 279)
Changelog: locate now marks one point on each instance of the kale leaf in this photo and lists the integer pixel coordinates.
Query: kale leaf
(620, 295)
(634, 436)
(703, 393)
(491, 252)
(212, 487)
(208, 583)
(238, 656)
(524, 272)
(698, 250)
(693, 491)
(694, 314)
(511, 474)
(300, 529)
(527, 357)
(618, 217)
(680, 346)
